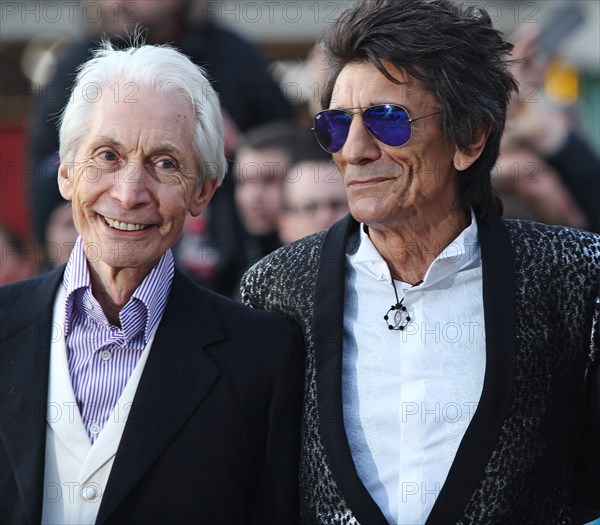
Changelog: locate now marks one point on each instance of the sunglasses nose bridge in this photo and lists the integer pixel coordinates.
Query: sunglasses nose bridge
(359, 111)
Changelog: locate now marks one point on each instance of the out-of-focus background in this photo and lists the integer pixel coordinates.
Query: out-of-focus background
(261, 57)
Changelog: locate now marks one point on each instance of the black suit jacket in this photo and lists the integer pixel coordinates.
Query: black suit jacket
(213, 432)
(531, 454)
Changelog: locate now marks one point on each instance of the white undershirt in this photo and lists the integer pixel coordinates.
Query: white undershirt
(410, 395)
(76, 471)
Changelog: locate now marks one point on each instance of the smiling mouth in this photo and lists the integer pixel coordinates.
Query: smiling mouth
(124, 226)
(369, 181)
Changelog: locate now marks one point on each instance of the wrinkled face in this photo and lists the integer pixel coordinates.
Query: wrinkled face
(315, 199)
(134, 179)
(259, 187)
(386, 184)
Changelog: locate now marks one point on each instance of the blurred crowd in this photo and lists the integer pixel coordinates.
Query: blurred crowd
(281, 186)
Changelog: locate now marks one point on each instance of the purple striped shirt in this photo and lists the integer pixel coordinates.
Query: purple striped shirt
(102, 356)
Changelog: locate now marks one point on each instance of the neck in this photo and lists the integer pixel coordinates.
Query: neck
(113, 287)
(409, 248)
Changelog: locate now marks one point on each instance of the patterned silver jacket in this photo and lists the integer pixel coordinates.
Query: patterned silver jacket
(532, 451)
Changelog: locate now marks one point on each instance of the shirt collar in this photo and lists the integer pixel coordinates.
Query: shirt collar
(75, 278)
(76, 274)
(462, 252)
(152, 292)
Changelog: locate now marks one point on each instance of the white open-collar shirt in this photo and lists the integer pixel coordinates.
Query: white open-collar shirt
(409, 395)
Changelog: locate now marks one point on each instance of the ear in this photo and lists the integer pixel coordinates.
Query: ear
(65, 181)
(202, 195)
(465, 159)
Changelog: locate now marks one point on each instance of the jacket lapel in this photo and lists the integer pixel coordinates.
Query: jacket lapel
(177, 376)
(482, 434)
(328, 330)
(24, 360)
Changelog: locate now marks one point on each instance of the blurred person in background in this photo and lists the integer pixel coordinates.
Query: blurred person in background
(314, 197)
(248, 93)
(267, 156)
(308, 76)
(260, 166)
(58, 234)
(17, 262)
(546, 170)
(61, 235)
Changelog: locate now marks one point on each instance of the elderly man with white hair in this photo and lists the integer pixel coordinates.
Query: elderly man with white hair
(129, 394)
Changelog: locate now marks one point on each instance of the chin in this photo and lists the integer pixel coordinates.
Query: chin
(129, 255)
(123, 263)
(367, 215)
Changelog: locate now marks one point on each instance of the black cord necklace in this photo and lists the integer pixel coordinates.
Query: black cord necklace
(399, 316)
(398, 309)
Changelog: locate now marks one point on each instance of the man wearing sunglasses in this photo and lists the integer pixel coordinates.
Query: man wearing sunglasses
(452, 355)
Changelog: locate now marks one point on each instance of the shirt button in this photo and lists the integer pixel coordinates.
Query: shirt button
(89, 493)
(95, 429)
(106, 355)
(89, 305)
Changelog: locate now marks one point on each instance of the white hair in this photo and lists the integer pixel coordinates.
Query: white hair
(162, 68)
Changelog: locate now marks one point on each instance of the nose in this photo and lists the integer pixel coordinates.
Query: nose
(360, 147)
(131, 186)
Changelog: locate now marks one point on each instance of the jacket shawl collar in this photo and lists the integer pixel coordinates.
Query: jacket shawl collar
(176, 378)
(26, 330)
(478, 442)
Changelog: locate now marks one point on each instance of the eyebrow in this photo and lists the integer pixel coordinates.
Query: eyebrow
(105, 141)
(167, 149)
(162, 149)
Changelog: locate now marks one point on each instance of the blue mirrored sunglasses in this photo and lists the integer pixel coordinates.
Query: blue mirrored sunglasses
(389, 123)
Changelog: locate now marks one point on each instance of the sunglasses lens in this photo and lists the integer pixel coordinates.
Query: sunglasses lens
(388, 123)
(331, 128)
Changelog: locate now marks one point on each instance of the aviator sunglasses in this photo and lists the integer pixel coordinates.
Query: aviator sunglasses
(388, 123)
